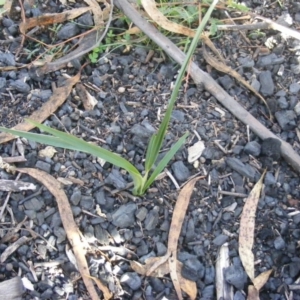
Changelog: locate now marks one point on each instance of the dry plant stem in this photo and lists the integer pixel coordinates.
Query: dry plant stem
(202, 78)
(7, 198)
(266, 24)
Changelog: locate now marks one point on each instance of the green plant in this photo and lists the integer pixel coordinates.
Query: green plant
(141, 182)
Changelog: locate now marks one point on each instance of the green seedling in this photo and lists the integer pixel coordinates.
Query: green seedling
(141, 181)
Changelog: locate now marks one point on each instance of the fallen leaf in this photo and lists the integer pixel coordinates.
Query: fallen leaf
(247, 227)
(261, 279)
(252, 293)
(49, 151)
(188, 286)
(159, 18)
(48, 19)
(168, 263)
(246, 240)
(73, 233)
(56, 100)
(87, 99)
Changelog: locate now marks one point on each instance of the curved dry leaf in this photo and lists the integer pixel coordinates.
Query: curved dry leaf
(87, 99)
(161, 20)
(261, 279)
(188, 286)
(48, 19)
(56, 100)
(71, 228)
(247, 227)
(252, 293)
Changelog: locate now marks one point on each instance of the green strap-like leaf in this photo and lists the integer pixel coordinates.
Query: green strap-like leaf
(157, 140)
(67, 141)
(162, 164)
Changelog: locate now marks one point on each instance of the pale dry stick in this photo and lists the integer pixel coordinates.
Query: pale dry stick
(266, 24)
(202, 78)
(7, 198)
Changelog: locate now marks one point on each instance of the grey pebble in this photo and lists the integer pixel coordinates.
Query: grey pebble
(2, 82)
(178, 115)
(60, 233)
(157, 284)
(141, 131)
(267, 84)
(190, 233)
(226, 82)
(236, 276)
(294, 267)
(30, 213)
(294, 88)
(181, 172)
(89, 166)
(43, 166)
(208, 292)
(115, 178)
(131, 279)
(210, 275)
(279, 243)
(67, 31)
(286, 119)
(86, 20)
(246, 62)
(7, 59)
(20, 86)
(269, 179)
(297, 109)
(141, 213)
(152, 218)
(271, 148)
(161, 249)
(34, 204)
(193, 269)
(87, 203)
(282, 102)
(238, 166)
(76, 197)
(252, 148)
(239, 296)
(124, 216)
(220, 239)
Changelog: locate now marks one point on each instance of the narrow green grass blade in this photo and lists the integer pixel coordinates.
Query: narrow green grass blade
(71, 142)
(156, 143)
(162, 164)
(89, 148)
(40, 138)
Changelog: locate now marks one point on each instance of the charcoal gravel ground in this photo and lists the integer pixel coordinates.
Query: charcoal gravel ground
(131, 100)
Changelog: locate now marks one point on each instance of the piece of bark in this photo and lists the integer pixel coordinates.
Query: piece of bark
(16, 186)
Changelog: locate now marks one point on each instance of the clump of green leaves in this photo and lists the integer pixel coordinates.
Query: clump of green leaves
(141, 181)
